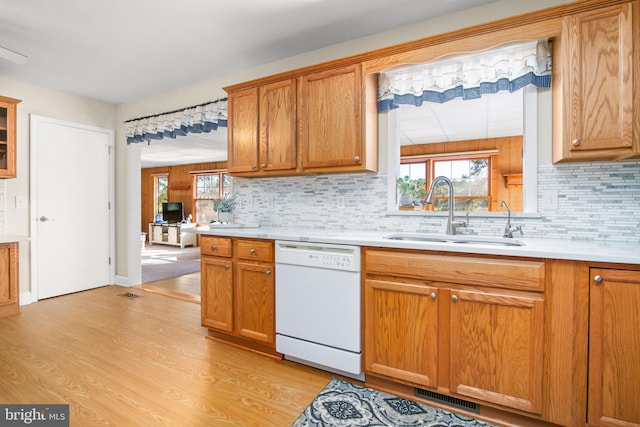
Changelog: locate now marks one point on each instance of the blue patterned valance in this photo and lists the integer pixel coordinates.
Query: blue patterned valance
(205, 117)
(470, 76)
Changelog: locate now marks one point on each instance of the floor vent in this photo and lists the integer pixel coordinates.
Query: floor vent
(447, 400)
(130, 295)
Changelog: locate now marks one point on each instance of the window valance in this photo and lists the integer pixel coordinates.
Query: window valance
(468, 76)
(205, 117)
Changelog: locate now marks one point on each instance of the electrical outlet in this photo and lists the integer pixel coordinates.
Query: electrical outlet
(549, 199)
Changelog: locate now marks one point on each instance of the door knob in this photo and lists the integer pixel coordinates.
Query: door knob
(252, 251)
(454, 298)
(597, 279)
(575, 142)
(268, 272)
(432, 295)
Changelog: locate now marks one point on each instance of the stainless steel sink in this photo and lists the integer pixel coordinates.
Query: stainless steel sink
(417, 237)
(456, 239)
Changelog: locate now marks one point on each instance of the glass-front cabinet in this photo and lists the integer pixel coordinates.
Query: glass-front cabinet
(8, 137)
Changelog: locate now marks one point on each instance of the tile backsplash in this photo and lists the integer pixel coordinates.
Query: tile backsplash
(596, 201)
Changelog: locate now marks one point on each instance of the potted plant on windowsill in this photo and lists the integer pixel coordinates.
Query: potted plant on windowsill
(225, 207)
(410, 190)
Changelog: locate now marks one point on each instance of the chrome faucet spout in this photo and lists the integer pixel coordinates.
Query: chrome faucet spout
(451, 224)
(508, 229)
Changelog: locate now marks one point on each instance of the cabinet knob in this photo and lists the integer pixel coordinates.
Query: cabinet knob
(454, 298)
(432, 295)
(252, 251)
(264, 165)
(214, 247)
(356, 159)
(227, 266)
(268, 272)
(597, 279)
(575, 142)
(254, 166)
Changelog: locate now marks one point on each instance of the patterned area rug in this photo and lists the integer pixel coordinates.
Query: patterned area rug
(343, 404)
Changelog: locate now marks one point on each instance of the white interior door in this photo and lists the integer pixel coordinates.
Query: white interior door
(71, 198)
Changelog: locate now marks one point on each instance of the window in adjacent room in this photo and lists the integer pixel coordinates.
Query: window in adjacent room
(160, 193)
(208, 187)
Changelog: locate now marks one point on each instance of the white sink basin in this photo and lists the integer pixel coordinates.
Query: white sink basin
(456, 239)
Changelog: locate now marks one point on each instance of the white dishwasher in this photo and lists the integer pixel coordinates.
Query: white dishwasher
(318, 305)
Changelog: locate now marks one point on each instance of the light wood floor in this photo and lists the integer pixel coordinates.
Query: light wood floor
(185, 287)
(143, 362)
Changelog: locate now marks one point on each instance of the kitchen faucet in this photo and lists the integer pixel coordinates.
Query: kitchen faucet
(508, 229)
(452, 225)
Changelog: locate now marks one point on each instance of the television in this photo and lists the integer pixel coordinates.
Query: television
(172, 212)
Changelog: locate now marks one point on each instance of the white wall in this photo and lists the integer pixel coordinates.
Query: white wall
(50, 103)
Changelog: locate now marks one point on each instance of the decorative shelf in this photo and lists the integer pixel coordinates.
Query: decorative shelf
(513, 179)
(180, 187)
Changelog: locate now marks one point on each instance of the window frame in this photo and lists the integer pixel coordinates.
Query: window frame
(222, 173)
(430, 172)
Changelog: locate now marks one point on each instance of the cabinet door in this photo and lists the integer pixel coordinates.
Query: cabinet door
(278, 126)
(614, 348)
(174, 235)
(243, 131)
(8, 137)
(9, 304)
(255, 302)
(217, 293)
(401, 331)
(332, 118)
(496, 348)
(600, 110)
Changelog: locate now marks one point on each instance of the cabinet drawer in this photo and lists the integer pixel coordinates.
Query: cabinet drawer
(257, 250)
(216, 246)
(493, 272)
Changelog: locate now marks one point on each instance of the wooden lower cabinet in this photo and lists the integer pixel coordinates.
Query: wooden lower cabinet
(9, 292)
(238, 292)
(614, 348)
(434, 323)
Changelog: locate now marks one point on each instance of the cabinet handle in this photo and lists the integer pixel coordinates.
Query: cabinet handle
(268, 272)
(227, 266)
(252, 251)
(254, 166)
(214, 247)
(575, 142)
(264, 165)
(597, 279)
(356, 159)
(454, 298)
(432, 295)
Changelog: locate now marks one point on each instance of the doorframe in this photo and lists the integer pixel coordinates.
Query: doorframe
(134, 224)
(35, 121)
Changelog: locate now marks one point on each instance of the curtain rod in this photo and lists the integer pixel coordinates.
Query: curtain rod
(176, 111)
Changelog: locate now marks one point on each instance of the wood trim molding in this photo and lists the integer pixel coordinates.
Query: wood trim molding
(545, 21)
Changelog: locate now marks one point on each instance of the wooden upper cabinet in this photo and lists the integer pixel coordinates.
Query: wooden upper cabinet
(601, 85)
(8, 137)
(332, 126)
(243, 131)
(278, 126)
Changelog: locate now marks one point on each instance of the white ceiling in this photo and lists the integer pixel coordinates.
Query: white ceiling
(120, 50)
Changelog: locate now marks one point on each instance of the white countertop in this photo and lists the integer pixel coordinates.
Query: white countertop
(596, 251)
(12, 238)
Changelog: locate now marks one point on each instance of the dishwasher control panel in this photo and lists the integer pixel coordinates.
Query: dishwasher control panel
(321, 255)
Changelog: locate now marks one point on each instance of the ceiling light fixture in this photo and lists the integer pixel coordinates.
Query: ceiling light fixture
(12, 56)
